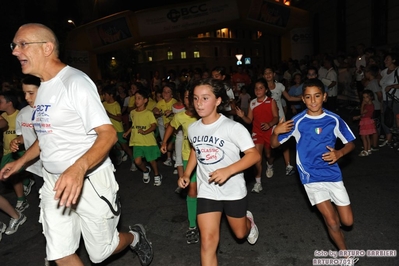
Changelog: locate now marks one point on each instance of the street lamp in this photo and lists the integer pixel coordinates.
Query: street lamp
(70, 21)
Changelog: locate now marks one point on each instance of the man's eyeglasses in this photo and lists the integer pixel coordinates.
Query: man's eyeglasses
(22, 45)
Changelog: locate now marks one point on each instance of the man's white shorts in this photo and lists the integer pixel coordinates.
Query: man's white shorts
(91, 217)
(322, 191)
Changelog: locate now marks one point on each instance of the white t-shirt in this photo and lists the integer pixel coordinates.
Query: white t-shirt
(67, 109)
(218, 145)
(386, 80)
(374, 87)
(126, 101)
(24, 127)
(361, 61)
(230, 94)
(277, 94)
(332, 76)
(322, 72)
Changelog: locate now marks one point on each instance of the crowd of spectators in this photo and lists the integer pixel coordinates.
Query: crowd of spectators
(343, 73)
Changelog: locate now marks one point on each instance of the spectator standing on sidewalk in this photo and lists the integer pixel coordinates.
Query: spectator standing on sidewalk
(371, 73)
(390, 84)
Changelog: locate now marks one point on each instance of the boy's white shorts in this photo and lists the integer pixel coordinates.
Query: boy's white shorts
(91, 218)
(322, 191)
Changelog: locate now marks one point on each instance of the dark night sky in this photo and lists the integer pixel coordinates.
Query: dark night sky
(55, 13)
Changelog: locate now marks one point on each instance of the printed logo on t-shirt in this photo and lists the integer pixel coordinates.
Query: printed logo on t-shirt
(41, 119)
(29, 125)
(317, 130)
(208, 149)
(209, 154)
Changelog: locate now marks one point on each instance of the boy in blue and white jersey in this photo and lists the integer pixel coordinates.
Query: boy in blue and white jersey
(316, 131)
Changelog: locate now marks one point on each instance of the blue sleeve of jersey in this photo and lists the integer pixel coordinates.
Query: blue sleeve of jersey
(346, 135)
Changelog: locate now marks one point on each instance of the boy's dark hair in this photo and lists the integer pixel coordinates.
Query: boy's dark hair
(144, 93)
(394, 57)
(110, 90)
(31, 80)
(313, 83)
(138, 85)
(312, 68)
(10, 96)
(172, 87)
(373, 70)
(269, 67)
(221, 70)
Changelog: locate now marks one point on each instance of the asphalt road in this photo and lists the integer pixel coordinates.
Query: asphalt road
(291, 231)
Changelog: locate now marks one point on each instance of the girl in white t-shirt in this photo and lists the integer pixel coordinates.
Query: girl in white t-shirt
(216, 145)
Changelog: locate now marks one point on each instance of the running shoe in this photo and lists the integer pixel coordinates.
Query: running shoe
(168, 162)
(192, 235)
(146, 176)
(123, 156)
(133, 168)
(3, 228)
(157, 180)
(257, 188)
(21, 205)
(15, 223)
(178, 190)
(386, 142)
(374, 149)
(28, 188)
(254, 233)
(289, 170)
(143, 248)
(269, 171)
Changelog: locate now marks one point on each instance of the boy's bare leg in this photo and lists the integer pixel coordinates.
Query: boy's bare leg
(332, 221)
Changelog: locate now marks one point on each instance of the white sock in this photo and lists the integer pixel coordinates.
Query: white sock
(135, 239)
(257, 180)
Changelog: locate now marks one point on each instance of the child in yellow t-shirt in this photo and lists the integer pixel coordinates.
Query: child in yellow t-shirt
(142, 138)
(163, 109)
(183, 120)
(8, 104)
(114, 113)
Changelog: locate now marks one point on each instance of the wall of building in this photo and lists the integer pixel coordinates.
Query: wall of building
(213, 52)
(341, 24)
(393, 23)
(159, 29)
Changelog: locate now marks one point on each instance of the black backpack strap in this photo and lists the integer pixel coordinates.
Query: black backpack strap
(116, 212)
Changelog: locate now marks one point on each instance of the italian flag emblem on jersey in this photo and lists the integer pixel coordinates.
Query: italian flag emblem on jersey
(318, 130)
